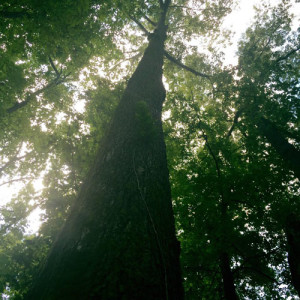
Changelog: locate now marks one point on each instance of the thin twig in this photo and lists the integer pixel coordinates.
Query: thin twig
(16, 179)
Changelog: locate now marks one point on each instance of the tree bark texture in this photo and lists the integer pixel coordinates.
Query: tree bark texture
(286, 150)
(293, 239)
(119, 241)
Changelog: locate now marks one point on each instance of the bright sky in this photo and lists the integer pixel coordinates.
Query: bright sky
(238, 21)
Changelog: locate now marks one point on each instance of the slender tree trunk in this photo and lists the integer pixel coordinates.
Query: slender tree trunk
(286, 150)
(227, 276)
(119, 241)
(293, 239)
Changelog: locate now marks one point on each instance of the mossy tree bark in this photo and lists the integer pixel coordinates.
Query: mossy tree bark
(119, 241)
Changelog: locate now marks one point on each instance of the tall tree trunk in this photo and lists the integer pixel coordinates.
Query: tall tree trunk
(119, 241)
(227, 276)
(292, 156)
(286, 150)
(293, 239)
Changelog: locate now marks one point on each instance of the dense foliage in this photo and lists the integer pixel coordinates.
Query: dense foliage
(232, 133)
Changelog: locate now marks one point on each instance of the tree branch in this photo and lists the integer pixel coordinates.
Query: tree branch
(150, 21)
(14, 14)
(19, 105)
(261, 273)
(16, 179)
(140, 25)
(180, 64)
(16, 158)
(288, 54)
(213, 156)
(235, 121)
(54, 68)
(58, 80)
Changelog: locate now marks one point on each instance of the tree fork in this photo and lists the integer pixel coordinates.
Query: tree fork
(119, 240)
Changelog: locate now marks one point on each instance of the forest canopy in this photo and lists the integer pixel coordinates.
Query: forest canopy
(230, 133)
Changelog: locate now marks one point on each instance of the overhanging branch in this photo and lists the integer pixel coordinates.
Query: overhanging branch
(58, 80)
(150, 21)
(288, 54)
(54, 68)
(140, 25)
(17, 179)
(180, 64)
(235, 121)
(14, 14)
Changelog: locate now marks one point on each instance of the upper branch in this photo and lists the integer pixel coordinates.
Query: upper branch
(54, 68)
(150, 21)
(235, 121)
(140, 25)
(213, 156)
(58, 80)
(14, 14)
(180, 64)
(288, 54)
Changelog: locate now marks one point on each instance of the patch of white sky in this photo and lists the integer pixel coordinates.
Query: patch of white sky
(238, 21)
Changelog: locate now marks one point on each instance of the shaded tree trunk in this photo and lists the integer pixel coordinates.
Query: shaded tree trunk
(286, 150)
(227, 276)
(293, 239)
(292, 156)
(119, 241)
